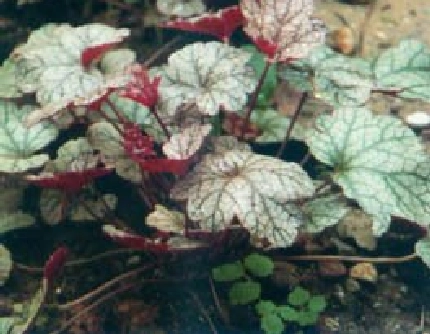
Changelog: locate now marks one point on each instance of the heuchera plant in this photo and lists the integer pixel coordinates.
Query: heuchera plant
(182, 132)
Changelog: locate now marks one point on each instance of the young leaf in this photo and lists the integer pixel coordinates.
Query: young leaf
(209, 74)
(242, 293)
(317, 304)
(265, 307)
(272, 324)
(323, 212)
(181, 8)
(228, 272)
(377, 161)
(284, 30)
(422, 249)
(298, 297)
(55, 263)
(255, 189)
(259, 265)
(5, 264)
(405, 68)
(166, 220)
(184, 144)
(20, 143)
(220, 24)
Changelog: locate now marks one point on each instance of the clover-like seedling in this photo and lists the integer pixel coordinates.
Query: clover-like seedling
(245, 288)
(302, 309)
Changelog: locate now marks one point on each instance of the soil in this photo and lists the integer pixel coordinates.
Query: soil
(178, 296)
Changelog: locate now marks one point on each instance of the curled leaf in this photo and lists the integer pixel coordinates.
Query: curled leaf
(283, 30)
(220, 24)
(55, 263)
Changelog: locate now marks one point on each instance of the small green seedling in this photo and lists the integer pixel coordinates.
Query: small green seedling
(301, 307)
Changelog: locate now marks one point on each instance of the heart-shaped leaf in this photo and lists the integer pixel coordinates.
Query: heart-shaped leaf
(377, 161)
(18, 143)
(209, 74)
(405, 68)
(57, 72)
(284, 30)
(257, 190)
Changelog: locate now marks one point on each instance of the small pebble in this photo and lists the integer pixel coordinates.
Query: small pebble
(418, 119)
(365, 272)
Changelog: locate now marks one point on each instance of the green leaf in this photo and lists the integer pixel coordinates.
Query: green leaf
(299, 75)
(5, 265)
(323, 212)
(274, 126)
(228, 272)
(306, 318)
(406, 68)
(258, 63)
(265, 307)
(299, 296)
(377, 161)
(335, 78)
(242, 293)
(287, 313)
(259, 265)
(422, 249)
(255, 189)
(317, 304)
(14, 220)
(19, 143)
(272, 324)
(343, 81)
(8, 83)
(133, 111)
